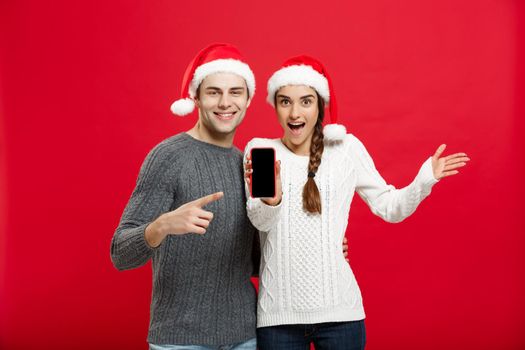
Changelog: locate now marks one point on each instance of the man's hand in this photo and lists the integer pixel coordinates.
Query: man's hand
(188, 218)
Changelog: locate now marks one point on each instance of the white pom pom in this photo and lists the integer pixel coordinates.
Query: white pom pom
(183, 106)
(334, 132)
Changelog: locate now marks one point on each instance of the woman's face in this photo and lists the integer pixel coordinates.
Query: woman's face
(297, 110)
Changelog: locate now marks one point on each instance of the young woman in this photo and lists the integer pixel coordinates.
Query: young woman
(307, 292)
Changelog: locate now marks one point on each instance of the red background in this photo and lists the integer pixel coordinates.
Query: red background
(85, 90)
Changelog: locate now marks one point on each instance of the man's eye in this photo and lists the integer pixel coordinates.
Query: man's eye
(212, 93)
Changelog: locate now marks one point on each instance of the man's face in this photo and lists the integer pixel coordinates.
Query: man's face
(222, 101)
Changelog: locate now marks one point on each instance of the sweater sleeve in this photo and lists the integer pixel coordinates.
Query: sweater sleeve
(391, 204)
(152, 196)
(263, 216)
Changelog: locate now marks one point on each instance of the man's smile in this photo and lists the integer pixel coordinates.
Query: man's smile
(225, 115)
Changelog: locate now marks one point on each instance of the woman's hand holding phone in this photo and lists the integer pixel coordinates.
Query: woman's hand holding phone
(273, 201)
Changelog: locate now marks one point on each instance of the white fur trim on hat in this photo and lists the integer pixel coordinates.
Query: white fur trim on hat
(298, 75)
(183, 106)
(334, 132)
(227, 65)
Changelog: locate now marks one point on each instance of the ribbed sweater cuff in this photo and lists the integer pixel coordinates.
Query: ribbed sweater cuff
(142, 243)
(425, 177)
(132, 250)
(269, 211)
(262, 215)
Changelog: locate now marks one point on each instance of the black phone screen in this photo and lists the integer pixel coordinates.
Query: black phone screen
(263, 176)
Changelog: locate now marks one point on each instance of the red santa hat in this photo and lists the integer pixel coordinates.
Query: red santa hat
(306, 70)
(216, 58)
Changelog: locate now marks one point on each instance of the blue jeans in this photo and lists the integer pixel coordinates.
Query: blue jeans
(333, 335)
(247, 345)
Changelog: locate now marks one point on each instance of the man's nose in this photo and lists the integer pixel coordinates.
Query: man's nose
(225, 101)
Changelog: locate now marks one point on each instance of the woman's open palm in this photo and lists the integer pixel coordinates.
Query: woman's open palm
(449, 165)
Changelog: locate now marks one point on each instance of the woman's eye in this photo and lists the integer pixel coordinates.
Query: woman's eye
(285, 102)
(307, 102)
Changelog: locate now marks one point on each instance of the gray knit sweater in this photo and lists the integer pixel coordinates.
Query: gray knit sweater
(202, 292)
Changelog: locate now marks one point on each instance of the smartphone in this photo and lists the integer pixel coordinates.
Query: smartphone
(262, 182)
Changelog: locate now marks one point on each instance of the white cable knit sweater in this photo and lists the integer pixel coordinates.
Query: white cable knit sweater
(304, 277)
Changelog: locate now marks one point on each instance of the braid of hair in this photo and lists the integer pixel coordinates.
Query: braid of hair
(311, 195)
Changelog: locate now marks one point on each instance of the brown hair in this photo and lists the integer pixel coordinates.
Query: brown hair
(311, 196)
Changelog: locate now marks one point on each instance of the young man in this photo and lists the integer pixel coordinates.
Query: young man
(188, 215)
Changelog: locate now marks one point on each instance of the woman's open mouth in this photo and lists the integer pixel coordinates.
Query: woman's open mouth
(296, 128)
